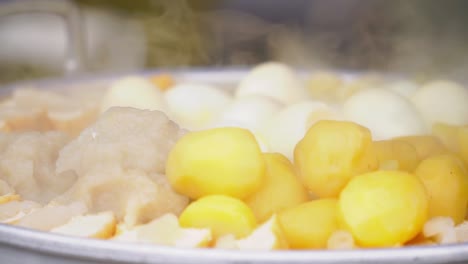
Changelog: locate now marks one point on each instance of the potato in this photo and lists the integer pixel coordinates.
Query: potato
(331, 153)
(309, 225)
(280, 178)
(446, 181)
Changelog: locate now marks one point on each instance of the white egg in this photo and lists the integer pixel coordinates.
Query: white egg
(442, 101)
(275, 80)
(259, 136)
(285, 129)
(134, 92)
(252, 110)
(385, 113)
(404, 88)
(195, 106)
(355, 84)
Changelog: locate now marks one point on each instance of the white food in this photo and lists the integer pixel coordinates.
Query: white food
(285, 129)
(165, 230)
(51, 216)
(27, 164)
(101, 225)
(441, 229)
(265, 237)
(194, 106)
(442, 101)
(275, 80)
(133, 91)
(385, 113)
(404, 88)
(119, 162)
(13, 211)
(251, 110)
(5, 188)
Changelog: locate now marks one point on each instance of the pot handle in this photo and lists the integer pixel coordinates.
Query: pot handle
(65, 9)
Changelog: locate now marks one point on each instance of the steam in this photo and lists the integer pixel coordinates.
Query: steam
(421, 38)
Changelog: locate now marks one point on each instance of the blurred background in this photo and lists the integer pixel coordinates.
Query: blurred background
(426, 38)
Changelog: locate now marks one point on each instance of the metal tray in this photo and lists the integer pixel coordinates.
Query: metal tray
(25, 246)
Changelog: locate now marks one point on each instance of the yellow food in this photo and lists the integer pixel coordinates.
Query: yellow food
(331, 153)
(446, 181)
(384, 208)
(267, 165)
(162, 81)
(309, 225)
(280, 179)
(420, 240)
(324, 85)
(222, 214)
(224, 161)
(288, 126)
(402, 153)
(9, 197)
(426, 146)
(463, 143)
(447, 134)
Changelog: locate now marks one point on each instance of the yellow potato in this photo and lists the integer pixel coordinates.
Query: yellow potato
(224, 161)
(463, 143)
(446, 181)
(309, 225)
(447, 134)
(384, 208)
(222, 214)
(331, 153)
(426, 146)
(324, 85)
(280, 179)
(403, 153)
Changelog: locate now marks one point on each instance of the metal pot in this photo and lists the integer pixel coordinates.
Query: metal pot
(19, 245)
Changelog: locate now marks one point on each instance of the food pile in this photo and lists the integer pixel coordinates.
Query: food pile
(279, 162)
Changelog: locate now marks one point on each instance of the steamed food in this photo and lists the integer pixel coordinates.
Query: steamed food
(282, 161)
(310, 224)
(233, 164)
(442, 101)
(274, 80)
(133, 91)
(384, 208)
(385, 113)
(331, 153)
